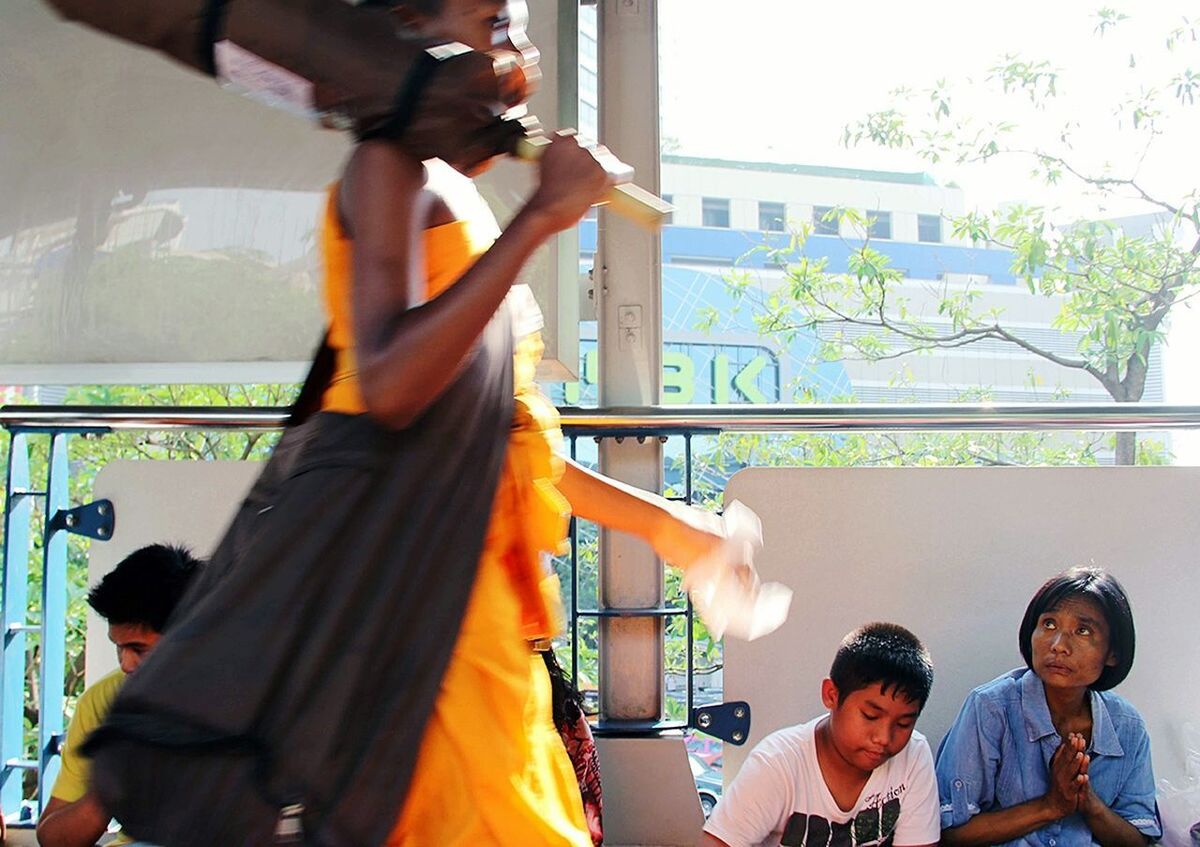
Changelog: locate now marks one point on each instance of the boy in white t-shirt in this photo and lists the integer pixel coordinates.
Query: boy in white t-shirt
(859, 775)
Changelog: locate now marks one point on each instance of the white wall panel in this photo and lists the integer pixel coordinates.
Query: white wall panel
(955, 555)
(156, 228)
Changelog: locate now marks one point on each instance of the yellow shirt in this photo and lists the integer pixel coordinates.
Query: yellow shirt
(91, 710)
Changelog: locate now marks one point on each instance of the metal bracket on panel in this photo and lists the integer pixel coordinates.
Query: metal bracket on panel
(15, 629)
(727, 721)
(95, 520)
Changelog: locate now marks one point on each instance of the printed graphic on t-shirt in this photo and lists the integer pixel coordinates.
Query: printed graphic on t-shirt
(874, 825)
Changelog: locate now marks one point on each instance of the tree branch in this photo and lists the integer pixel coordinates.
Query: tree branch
(1099, 181)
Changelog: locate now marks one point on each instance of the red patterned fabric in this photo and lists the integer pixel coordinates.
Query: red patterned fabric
(581, 747)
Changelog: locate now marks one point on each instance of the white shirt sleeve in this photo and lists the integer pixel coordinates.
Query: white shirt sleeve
(920, 814)
(758, 802)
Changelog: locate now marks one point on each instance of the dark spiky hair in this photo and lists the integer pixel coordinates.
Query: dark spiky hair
(145, 587)
(887, 654)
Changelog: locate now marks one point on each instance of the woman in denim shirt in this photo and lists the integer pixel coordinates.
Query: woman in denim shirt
(1046, 755)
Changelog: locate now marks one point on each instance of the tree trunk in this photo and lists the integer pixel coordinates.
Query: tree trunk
(1131, 390)
(1126, 448)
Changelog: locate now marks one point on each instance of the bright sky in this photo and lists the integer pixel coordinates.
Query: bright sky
(796, 72)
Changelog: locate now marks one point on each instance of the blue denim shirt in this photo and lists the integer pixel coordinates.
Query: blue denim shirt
(997, 754)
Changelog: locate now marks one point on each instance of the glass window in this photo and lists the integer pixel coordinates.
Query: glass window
(772, 217)
(589, 121)
(825, 220)
(587, 86)
(880, 224)
(669, 199)
(715, 212)
(929, 228)
(587, 46)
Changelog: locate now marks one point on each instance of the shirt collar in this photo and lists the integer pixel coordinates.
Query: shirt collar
(1038, 724)
(1034, 708)
(1104, 733)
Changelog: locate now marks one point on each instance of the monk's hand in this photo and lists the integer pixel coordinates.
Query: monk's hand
(686, 535)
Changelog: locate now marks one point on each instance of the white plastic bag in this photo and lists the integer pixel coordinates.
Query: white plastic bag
(725, 588)
(1179, 805)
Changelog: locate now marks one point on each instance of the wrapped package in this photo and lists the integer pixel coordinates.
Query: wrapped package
(340, 64)
(346, 67)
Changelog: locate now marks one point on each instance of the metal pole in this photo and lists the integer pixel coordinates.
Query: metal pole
(628, 286)
(574, 540)
(659, 420)
(691, 634)
(54, 619)
(17, 513)
(948, 417)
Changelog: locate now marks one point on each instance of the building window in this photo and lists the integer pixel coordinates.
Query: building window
(588, 49)
(589, 121)
(669, 199)
(881, 224)
(771, 217)
(715, 212)
(587, 85)
(929, 228)
(825, 220)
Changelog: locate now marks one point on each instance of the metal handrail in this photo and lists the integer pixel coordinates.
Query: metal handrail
(658, 420)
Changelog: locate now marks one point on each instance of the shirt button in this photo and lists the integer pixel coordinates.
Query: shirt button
(1051, 842)
(958, 784)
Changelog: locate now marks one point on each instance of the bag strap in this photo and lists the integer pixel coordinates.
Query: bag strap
(320, 375)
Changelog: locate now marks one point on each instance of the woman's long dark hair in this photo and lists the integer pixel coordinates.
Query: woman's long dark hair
(566, 701)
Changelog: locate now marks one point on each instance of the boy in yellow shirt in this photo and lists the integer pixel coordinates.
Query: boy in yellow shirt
(136, 599)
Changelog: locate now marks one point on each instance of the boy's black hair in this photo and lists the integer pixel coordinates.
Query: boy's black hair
(145, 587)
(1102, 588)
(883, 653)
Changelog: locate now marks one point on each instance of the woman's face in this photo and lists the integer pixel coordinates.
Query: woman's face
(1070, 644)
